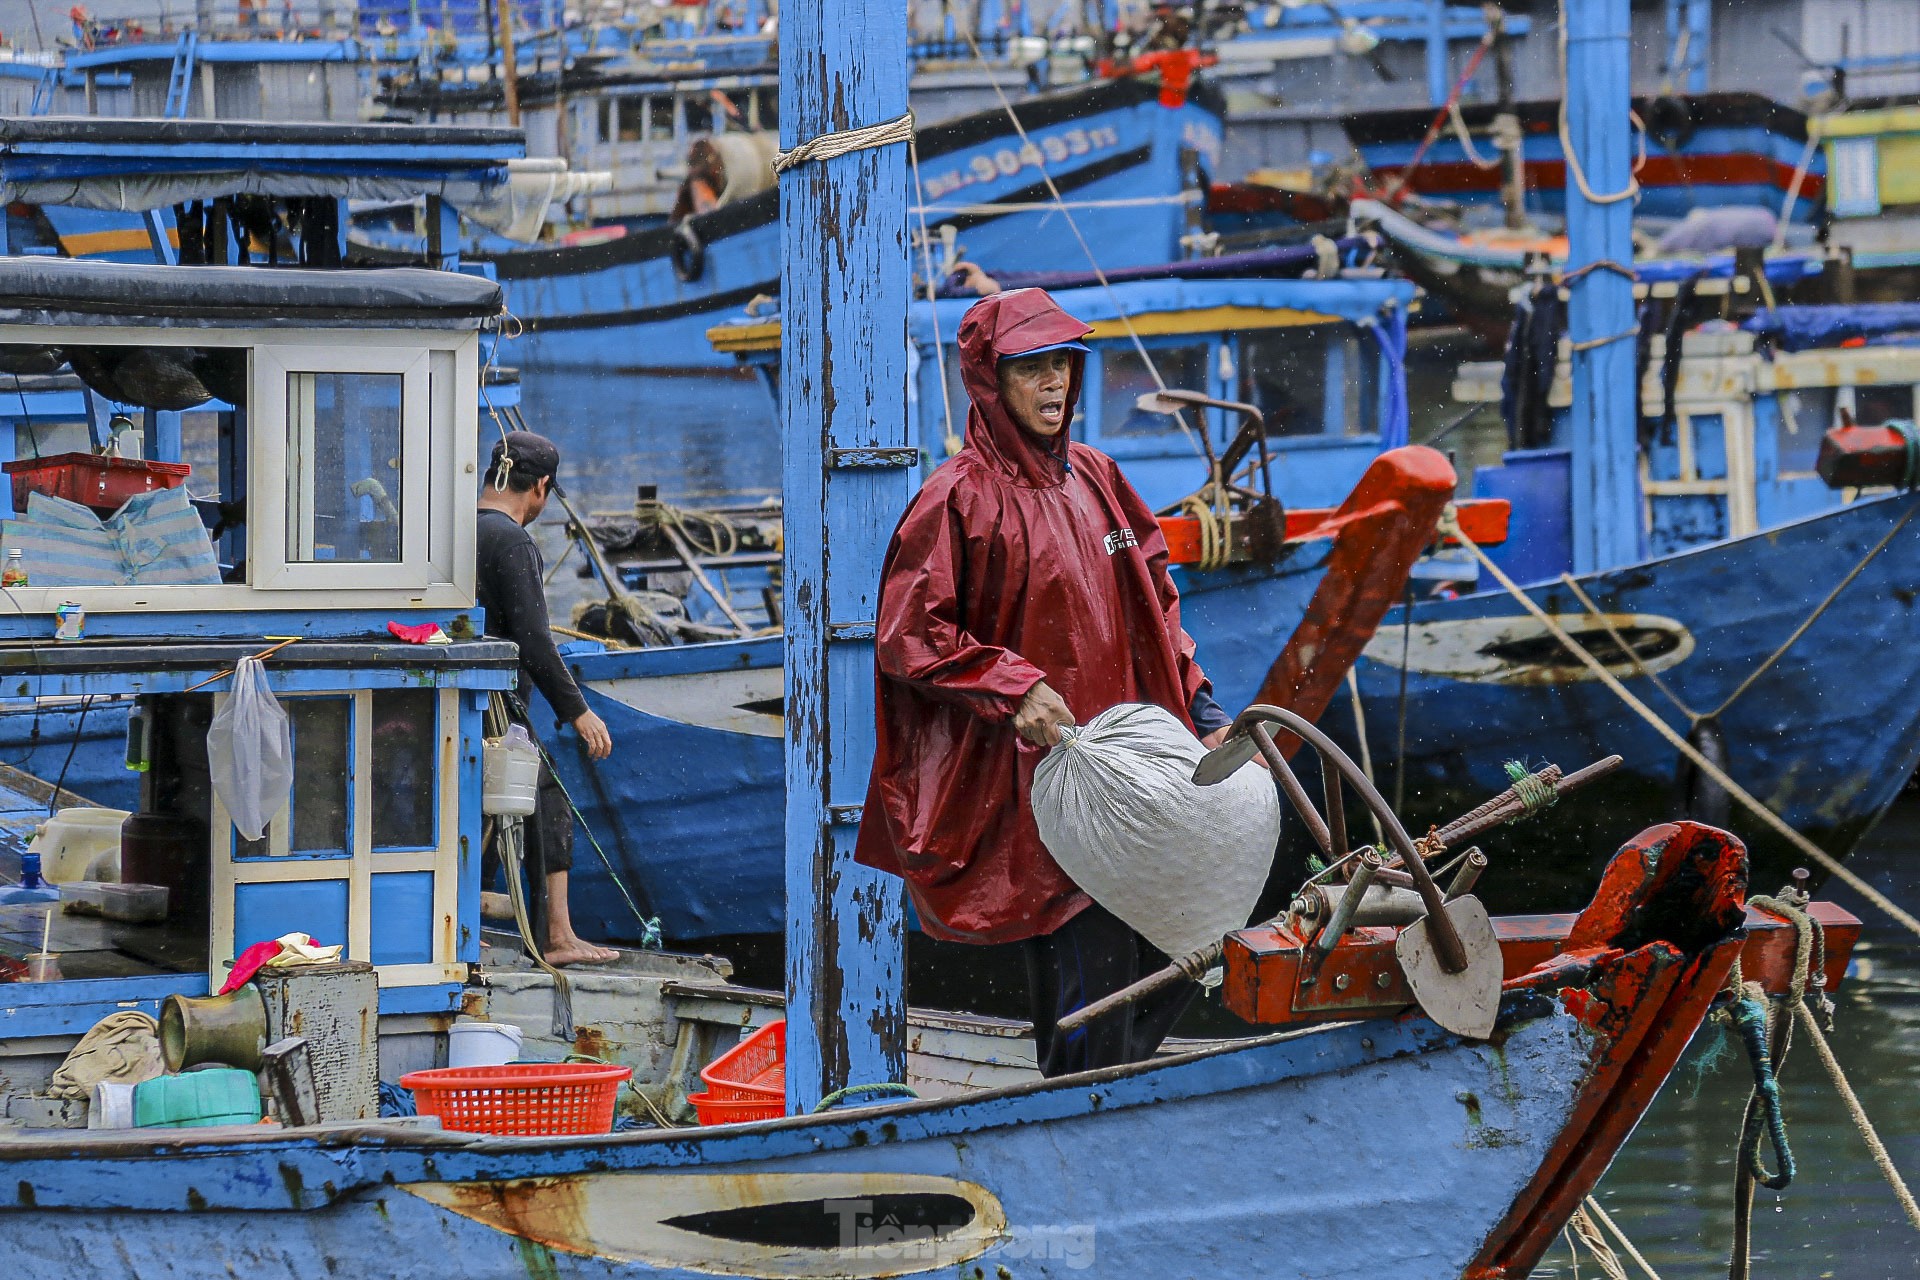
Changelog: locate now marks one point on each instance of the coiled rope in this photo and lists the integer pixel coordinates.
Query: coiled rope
(1534, 794)
(1215, 525)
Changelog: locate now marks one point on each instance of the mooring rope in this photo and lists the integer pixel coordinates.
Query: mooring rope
(831, 146)
(1810, 957)
(1450, 525)
(1593, 1207)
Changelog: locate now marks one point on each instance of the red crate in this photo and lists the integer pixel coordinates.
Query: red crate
(92, 480)
(755, 1070)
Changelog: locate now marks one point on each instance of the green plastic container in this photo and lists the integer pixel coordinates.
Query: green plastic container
(196, 1099)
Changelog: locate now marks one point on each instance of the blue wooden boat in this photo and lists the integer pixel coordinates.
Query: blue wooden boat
(644, 299)
(1713, 606)
(377, 844)
(1702, 150)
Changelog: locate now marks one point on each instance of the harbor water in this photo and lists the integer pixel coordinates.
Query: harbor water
(1671, 1188)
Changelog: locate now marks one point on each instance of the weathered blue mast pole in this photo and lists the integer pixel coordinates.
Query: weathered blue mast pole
(843, 375)
(1600, 323)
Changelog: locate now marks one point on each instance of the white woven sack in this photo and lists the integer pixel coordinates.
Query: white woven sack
(1118, 810)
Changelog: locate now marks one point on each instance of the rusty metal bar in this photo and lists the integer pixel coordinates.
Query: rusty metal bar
(1342, 916)
(1291, 788)
(1468, 875)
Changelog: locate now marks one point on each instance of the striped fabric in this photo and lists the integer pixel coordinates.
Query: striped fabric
(155, 539)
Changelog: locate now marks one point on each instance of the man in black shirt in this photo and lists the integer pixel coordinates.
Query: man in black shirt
(509, 584)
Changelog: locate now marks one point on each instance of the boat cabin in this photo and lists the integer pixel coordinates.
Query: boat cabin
(1751, 403)
(315, 490)
(1323, 361)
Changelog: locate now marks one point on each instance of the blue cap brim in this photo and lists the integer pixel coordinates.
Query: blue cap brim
(1081, 347)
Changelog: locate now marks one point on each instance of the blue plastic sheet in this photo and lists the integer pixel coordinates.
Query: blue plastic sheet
(1803, 328)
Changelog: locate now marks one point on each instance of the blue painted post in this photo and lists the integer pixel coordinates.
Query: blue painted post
(1439, 72)
(1689, 32)
(1606, 482)
(843, 372)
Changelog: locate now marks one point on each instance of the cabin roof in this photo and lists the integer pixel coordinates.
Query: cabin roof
(70, 291)
(1153, 308)
(132, 165)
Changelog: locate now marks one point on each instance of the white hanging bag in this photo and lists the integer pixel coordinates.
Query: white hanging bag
(250, 749)
(1117, 808)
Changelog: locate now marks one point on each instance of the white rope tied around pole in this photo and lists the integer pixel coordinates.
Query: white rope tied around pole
(831, 146)
(1574, 168)
(1450, 526)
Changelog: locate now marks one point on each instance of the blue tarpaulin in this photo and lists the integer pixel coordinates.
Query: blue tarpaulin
(1803, 328)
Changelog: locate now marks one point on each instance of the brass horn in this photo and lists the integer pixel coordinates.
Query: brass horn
(229, 1029)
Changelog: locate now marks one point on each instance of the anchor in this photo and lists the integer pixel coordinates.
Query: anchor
(1446, 949)
(1449, 955)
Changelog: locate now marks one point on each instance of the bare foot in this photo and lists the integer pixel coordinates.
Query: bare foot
(495, 906)
(578, 951)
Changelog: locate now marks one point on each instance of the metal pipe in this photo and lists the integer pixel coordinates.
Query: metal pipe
(1468, 875)
(1342, 916)
(1290, 786)
(1447, 946)
(1336, 815)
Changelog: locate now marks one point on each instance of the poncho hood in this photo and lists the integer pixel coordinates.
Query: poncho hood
(1012, 324)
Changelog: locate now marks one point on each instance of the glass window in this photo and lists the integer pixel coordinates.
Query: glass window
(200, 440)
(660, 118)
(1125, 378)
(322, 773)
(406, 725)
(699, 114)
(1311, 380)
(632, 119)
(1873, 406)
(344, 446)
(1805, 416)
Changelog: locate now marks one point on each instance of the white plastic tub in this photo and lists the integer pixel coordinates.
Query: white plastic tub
(482, 1044)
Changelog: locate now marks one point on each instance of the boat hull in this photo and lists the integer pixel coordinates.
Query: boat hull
(1048, 1179)
(1827, 736)
(626, 302)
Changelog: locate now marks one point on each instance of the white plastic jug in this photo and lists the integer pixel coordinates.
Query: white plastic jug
(482, 1044)
(79, 844)
(510, 776)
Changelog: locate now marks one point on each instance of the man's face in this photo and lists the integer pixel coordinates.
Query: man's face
(1034, 389)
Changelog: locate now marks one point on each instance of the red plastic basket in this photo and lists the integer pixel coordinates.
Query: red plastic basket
(91, 480)
(755, 1070)
(542, 1099)
(714, 1110)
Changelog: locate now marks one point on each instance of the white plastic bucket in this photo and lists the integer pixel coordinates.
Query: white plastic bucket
(482, 1044)
(79, 844)
(510, 776)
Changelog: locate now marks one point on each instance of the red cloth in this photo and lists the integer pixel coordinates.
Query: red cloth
(1021, 559)
(248, 963)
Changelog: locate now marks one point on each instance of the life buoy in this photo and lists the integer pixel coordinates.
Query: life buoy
(689, 256)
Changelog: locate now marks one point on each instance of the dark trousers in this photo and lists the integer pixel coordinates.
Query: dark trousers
(1093, 955)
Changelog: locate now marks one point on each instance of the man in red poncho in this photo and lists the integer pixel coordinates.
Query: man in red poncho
(1025, 590)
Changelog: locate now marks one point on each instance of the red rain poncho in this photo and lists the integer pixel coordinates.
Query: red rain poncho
(1022, 558)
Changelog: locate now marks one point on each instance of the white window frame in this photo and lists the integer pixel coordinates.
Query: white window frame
(357, 870)
(453, 455)
(276, 466)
